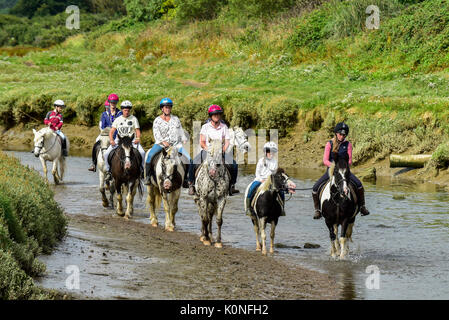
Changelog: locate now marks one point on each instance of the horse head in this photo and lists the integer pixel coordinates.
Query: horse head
(214, 158)
(126, 144)
(340, 175)
(39, 140)
(169, 163)
(280, 180)
(104, 138)
(240, 139)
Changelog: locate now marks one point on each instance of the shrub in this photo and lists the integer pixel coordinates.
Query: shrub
(190, 10)
(280, 113)
(440, 156)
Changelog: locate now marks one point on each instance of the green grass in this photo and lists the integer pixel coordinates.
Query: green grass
(254, 71)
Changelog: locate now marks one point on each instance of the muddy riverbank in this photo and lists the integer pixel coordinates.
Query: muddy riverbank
(120, 259)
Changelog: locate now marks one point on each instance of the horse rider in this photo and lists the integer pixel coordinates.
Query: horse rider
(53, 120)
(338, 144)
(266, 166)
(215, 129)
(168, 131)
(126, 124)
(107, 118)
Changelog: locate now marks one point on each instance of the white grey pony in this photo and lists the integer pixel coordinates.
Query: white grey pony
(212, 185)
(239, 139)
(101, 166)
(48, 147)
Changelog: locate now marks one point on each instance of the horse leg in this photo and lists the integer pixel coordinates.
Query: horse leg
(54, 171)
(256, 230)
(44, 166)
(153, 200)
(262, 226)
(343, 239)
(167, 210)
(219, 220)
(119, 201)
(332, 237)
(112, 192)
(272, 232)
(174, 208)
(349, 230)
(130, 200)
(102, 190)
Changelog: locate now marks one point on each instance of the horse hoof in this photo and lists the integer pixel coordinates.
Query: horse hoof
(169, 229)
(264, 252)
(258, 249)
(218, 245)
(206, 243)
(202, 238)
(154, 224)
(105, 204)
(120, 214)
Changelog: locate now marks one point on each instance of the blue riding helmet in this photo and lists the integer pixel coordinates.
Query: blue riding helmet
(166, 102)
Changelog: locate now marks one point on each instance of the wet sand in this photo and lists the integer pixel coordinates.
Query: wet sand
(121, 259)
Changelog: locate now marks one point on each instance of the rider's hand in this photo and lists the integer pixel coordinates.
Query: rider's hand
(293, 186)
(136, 141)
(166, 144)
(112, 142)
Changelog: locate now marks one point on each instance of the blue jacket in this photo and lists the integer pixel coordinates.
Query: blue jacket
(107, 119)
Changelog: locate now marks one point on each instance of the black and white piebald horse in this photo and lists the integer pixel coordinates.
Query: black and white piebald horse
(267, 205)
(339, 205)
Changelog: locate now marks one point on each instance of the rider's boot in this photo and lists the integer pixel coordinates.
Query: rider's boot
(361, 198)
(92, 167)
(316, 204)
(64, 148)
(185, 183)
(147, 180)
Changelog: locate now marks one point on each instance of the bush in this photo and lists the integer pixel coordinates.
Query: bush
(440, 156)
(281, 114)
(258, 8)
(190, 10)
(31, 222)
(141, 10)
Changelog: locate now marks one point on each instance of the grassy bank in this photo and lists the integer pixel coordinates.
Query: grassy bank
(31, 223)
(312, 65)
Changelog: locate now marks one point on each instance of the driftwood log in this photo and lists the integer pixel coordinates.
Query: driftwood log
(411, 161)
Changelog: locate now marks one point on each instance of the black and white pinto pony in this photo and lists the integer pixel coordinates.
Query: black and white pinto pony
(169, 171)
(126, 171)
(212, 185)
(339, 206)
(48, 147)
(101, 166)
(267, 205)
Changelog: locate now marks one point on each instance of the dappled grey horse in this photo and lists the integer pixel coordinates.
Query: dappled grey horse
(212, 185)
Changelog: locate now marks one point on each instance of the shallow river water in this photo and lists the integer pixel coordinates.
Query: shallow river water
(405, 238)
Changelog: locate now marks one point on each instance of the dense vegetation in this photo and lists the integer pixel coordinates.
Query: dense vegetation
(31, 223)
(270, 64)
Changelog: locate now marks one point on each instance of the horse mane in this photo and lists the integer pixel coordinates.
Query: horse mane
(331, 169)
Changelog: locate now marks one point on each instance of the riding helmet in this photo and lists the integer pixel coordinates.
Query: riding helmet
(106, 104)
(165, 102)
(341, 128)
(113, 98)
(270, 147)
(126, 104)
(214, 109)
(59, 103)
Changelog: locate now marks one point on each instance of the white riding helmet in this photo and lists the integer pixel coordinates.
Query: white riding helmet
(271, 146)
(59, 103)
(126, 104)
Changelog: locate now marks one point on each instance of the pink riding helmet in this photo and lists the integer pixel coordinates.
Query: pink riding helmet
(215, 109)
(113, 98)
(106, 104)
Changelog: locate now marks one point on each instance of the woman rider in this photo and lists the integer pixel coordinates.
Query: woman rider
(339, 145)
(215, 129)
(107, 118)
(167, 131)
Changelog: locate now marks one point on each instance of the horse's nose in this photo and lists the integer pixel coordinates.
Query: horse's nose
(127, 164)
(167, 184)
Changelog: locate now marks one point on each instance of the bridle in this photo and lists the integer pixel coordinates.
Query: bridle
(40, 146)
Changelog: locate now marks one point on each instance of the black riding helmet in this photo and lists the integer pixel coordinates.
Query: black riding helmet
(341, 128)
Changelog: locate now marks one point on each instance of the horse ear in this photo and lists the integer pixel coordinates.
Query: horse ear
(132, 137)
(34, 131)
(164, 152)
(335, 156)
